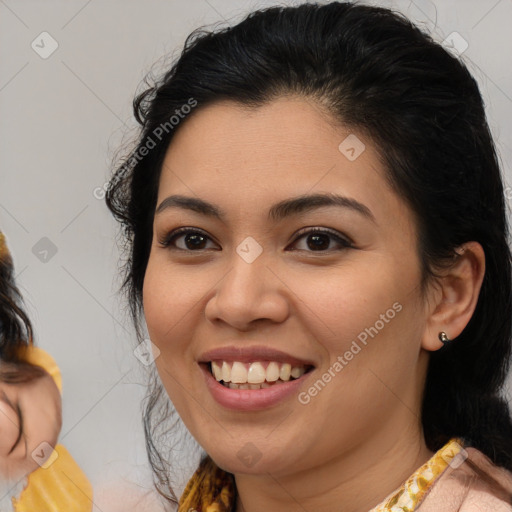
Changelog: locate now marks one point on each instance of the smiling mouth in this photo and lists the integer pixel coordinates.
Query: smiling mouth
(255, 375)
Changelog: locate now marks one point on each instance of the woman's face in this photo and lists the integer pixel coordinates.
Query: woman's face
(30, 415)
(261, 296)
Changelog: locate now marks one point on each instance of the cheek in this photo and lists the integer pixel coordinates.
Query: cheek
(161, 300)
(366, 316)
(172, 313)
(163, 308)
(171, 306)
(349, 300)
(155, 304)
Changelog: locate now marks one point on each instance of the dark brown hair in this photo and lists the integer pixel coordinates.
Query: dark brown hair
(382, 76)
(15, 327)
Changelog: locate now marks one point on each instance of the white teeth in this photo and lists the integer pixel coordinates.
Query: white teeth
(297, 371)
(263, 385)
(254, 373)
(217, 372)
(226, 372)
(284, 374)
(272, 372)
(238, 373)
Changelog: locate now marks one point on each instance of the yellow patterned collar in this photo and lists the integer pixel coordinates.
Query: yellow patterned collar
(213, 490)
(412, 492)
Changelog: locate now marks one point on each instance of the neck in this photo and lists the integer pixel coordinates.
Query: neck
(355, 481)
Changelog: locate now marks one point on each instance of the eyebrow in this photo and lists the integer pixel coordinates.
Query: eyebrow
(278, 211)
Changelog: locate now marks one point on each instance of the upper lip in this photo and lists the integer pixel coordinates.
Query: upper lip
(251, 354)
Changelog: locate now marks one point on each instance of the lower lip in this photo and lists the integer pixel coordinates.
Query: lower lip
(251, 399)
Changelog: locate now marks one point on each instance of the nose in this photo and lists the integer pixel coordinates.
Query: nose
(249, 294)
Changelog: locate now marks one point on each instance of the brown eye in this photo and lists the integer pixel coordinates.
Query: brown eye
(319, 240)
(193, 240)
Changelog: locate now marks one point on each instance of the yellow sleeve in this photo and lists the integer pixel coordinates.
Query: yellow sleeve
(59, 485)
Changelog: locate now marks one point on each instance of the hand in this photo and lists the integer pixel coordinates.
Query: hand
(30, 413)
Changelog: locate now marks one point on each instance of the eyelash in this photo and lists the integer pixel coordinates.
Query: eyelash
(168, 239)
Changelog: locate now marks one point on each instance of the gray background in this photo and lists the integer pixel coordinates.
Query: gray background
(62, 120)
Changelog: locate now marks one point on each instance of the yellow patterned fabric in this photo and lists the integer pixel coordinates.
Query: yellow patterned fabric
(209, 490)
(62, 485)
(59, 484)
(410, 495)
(213, 490)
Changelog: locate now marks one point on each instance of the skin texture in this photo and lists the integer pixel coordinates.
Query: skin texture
(41, 411)
(364, 426)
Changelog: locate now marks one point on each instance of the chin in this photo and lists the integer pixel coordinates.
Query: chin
(248, 460)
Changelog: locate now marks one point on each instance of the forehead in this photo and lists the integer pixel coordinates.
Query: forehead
(275, 135)
(252, 157)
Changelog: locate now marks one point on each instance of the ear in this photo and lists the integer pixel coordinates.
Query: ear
(454, 300)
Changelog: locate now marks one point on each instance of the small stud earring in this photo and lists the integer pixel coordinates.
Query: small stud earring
(444, 338)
